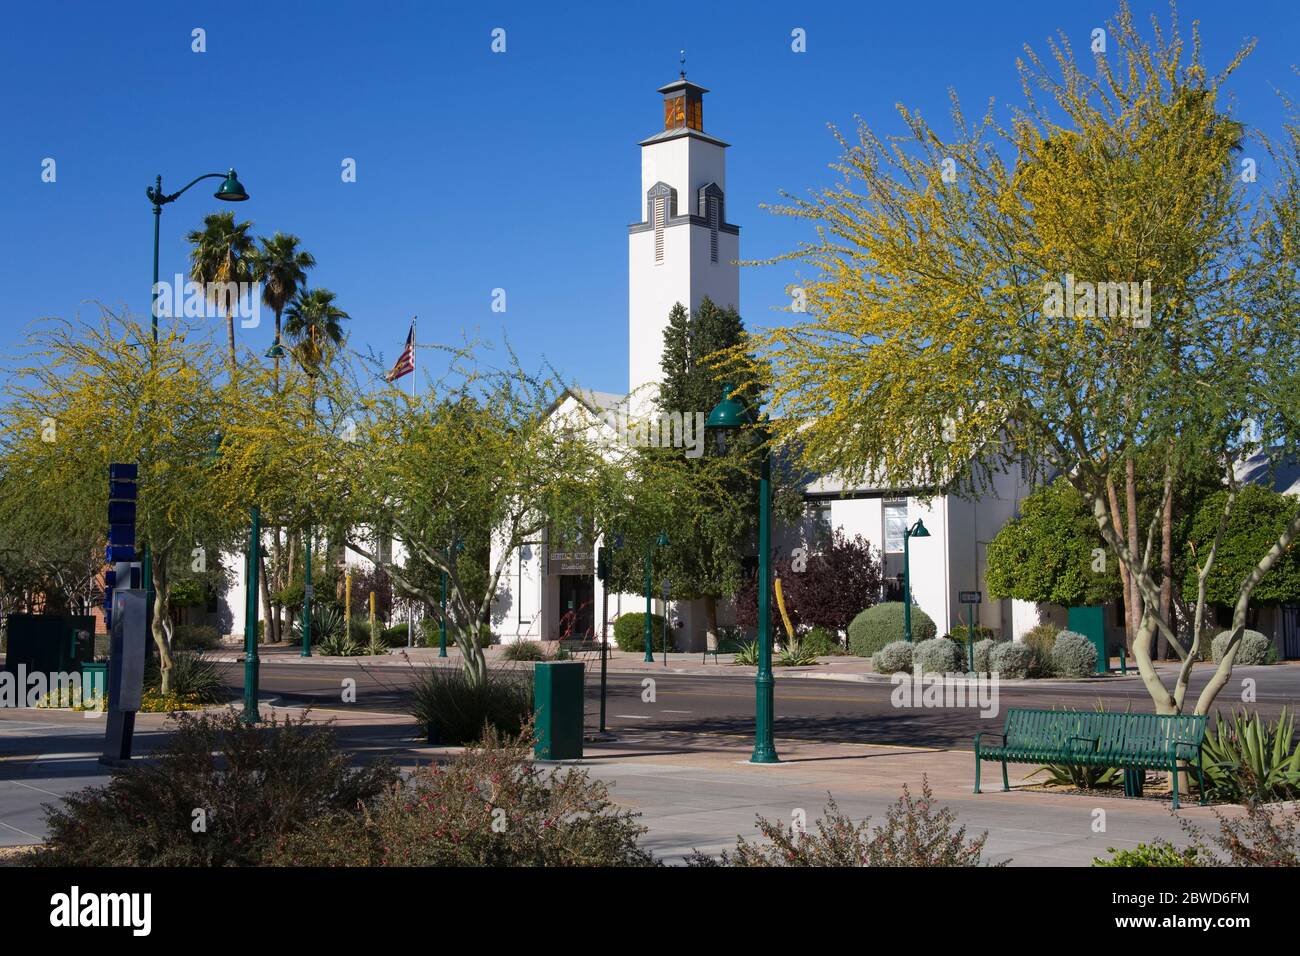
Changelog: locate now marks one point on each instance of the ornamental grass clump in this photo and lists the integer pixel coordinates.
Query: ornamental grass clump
(453, 709)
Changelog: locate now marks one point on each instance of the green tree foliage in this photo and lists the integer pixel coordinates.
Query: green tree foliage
(1259, 518)
(1048, 555)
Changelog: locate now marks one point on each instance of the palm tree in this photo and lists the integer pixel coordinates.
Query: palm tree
(221, 254)
(313, 324)
(282, 270)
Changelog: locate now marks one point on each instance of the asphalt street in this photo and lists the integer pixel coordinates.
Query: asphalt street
(806, 709)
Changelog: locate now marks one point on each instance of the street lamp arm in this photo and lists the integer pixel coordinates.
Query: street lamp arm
(159, 198)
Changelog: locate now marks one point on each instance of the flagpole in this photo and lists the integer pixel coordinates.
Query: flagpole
(414, 364)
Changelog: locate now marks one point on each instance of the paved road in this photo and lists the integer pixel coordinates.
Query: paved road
(807, 709)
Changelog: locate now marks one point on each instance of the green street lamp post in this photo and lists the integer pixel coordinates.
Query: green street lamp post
(917, 530)
(231, 191)
(660, 542)
(728, 416)
(250, 617)
(307, 594)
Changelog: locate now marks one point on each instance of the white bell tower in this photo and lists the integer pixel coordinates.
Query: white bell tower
(683, 248)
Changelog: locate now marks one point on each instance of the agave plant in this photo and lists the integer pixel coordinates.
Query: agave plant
(326, 622)
(1248, 760)
(796, 656)
(1080, 778)
(340, 644)
(746, 653)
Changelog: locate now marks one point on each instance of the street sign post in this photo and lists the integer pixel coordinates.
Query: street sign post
(972, 599)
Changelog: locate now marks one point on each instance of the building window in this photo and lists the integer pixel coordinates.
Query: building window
(895, 513)
(823, 530)
(659, 230)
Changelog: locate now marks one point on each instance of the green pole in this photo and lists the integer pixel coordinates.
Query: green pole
(649, 582)
(250, 619)
(764, 685)
(970, 635)
(306, 599)
(907, 588)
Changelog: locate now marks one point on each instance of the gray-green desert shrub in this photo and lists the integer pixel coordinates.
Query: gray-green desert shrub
(939, 655)
(983, 649)
(880, 625)
(893, 657)
(1253, 650)
(1011, 660)
(1073, 655)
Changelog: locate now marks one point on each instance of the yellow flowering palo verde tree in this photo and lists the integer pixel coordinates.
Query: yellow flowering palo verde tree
(479, 450)
(1090, 281)
(84, 395)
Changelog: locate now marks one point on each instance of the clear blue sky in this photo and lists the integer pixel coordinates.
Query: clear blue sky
(479, 170)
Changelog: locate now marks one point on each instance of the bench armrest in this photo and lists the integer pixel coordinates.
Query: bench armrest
(1194, 748)
(988, 733)
(1092, 740)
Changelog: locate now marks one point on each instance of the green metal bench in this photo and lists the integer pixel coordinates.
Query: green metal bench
(1133, 742)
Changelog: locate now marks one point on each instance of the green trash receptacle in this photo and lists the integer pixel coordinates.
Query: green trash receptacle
(94, 683)
(557, 709)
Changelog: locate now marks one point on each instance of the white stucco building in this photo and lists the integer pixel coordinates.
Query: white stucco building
(682, 248)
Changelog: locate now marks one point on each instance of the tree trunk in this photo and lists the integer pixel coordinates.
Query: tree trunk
(1131, 508)
(264, 586)
(230, 335)
(711, 622)
(161, 625)
(1126, 588)
(1166, 573)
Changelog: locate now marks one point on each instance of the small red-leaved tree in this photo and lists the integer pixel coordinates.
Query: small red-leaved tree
(826, 588)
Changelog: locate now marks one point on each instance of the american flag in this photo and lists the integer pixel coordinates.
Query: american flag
(405, 364)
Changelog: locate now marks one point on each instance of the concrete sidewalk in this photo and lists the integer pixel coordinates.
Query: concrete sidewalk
(694, 791)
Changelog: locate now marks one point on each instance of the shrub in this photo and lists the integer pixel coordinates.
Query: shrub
(396, 636)
(1265, 836)
(883, 624)
(914, 834)
(1042, 637)
(448, 815)
(1159, 853)
(820, 642)
(939, 655)
(195, 679)
(525, 651)
(961, 634)
(893, 657)
(983, 650)
(338, 644)
(746, 653)
(453, 710)
(1254, 648)
(794, 657)
(195, 637)
(326, 622)
(629, 631)
(257, 784)
(1011, 660)
(1248, 760)
(1073, 655)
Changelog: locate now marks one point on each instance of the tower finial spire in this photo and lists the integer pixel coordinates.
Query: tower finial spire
(683, 62)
